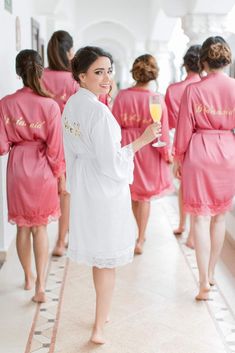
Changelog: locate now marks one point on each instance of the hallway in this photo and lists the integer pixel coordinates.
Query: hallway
(153, 310)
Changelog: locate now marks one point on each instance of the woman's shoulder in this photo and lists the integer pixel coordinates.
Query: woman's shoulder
(133, 93)
(49, 74)
(8, 97)
(86, 102)
(122, 92)
(48, 71)
(29, 100)
(175, 87)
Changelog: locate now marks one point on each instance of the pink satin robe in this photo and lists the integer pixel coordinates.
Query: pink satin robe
(205, 145)
(60, 84)
(104, 98)
(30, 130)
(151, 173)
(173, 97)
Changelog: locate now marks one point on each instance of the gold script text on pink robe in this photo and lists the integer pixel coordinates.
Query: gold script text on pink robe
(205, 144)
(173, 97)
(60, 84)
(151, 172)
(30, 130)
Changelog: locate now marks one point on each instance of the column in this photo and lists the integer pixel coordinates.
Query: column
(165, 61)
(198, 27)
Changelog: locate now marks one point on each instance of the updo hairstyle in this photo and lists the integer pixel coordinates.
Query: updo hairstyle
(216, 52)
(145, 69)
(191, 58)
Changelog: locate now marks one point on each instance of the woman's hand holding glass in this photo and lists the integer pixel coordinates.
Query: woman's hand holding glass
(156, 114)
(151, 132)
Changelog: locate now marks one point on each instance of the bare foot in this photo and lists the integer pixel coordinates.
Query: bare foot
(190, 243)
(212, 281)
(107, 320)
(97, 337)
(178, 231)
(203, 293)
(29, 282)
(59, 250)
(139, 248)
(39, 297)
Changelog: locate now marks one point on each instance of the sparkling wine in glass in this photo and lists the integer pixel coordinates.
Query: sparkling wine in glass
(156, 114)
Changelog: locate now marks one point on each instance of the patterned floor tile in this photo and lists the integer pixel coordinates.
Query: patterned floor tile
(41, 337)
(218, 307)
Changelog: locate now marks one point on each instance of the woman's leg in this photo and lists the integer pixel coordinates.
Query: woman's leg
(190, 239)
(217, 241)
(23, 246)
(203, 248)
(143, 216)
(182, 215)
(135, 207)
(40, 247)
(104, 280)
(63, 226)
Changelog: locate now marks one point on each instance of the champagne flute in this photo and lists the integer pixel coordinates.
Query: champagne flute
(156, 114)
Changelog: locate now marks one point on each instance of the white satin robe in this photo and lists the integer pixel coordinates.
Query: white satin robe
(98, 171)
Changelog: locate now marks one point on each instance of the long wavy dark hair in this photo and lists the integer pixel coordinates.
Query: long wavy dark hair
(30, 68)
(58, 47)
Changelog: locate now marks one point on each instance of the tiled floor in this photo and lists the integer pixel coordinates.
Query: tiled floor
(153, 310)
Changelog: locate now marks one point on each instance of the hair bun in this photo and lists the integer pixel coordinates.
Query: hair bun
(191, 58)
(216, 52)
(145, 69)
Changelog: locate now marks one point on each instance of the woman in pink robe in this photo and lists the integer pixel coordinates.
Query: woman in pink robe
(30, 130)
(152, 173)
(173, 98)
(205, 151)
(58, 80)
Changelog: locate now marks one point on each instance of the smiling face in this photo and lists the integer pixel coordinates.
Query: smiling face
(98, 77)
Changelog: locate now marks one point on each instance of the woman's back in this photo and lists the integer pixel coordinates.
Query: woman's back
(27, 116)
(174, 95)
(212, 102)
(131, 107)
(151, 173)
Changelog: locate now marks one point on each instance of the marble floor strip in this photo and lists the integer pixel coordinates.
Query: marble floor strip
(44, 328)
(218, 307)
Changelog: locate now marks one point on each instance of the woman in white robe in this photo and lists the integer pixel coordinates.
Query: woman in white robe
(99, 171)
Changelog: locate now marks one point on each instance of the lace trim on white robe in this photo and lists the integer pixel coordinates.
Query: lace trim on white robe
(122, 259)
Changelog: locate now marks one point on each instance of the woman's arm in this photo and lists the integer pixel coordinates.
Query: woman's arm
(113, 160)
(185, 126)
(150, 133)
(55, 150)
(5, 144)
(172, 114)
